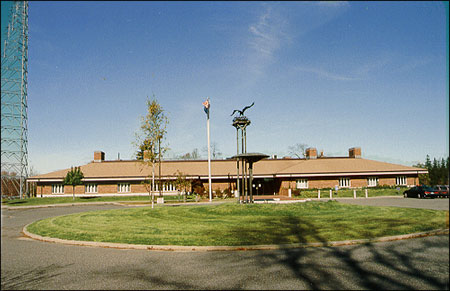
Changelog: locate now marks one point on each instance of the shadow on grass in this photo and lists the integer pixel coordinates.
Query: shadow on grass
(391, 265)
(13, 202)
(364, 266)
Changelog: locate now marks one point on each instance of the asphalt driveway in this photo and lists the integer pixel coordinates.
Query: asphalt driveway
(421, 263)
(436, 203)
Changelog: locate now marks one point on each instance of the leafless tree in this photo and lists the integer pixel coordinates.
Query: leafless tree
(215, 152)
(298, 150)
(194, 155)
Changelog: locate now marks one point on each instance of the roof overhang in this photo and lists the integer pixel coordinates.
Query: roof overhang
(342, 174)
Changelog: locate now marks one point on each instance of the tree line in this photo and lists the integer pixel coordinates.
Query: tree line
(195, 155)
(437, 171)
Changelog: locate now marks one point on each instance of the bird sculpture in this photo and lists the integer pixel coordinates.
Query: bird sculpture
(241, 112)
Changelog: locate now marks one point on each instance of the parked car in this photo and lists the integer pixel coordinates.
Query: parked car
(421, 192)
(443, 190)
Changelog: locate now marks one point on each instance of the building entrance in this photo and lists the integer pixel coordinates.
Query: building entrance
(266, 186)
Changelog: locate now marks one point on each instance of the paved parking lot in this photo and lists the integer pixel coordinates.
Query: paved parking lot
(436, 203)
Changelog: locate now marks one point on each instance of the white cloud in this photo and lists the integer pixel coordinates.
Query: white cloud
(266, 37)
(332, 3)
(377, 64)
(360, 71)
(327, 74)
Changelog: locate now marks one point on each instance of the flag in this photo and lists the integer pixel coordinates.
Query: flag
(206, 104)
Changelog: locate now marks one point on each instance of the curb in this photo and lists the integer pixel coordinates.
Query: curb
(229, 248)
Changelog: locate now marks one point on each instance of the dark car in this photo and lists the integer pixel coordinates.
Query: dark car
(443, 190)
(421, 192)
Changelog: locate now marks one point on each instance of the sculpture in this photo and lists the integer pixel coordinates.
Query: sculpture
(241, 112)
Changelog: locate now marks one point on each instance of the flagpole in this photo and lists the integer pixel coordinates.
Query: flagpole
(209, 159)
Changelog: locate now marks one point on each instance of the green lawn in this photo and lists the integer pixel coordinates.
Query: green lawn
(360, 193)
(232, 224)
(170, 199)
(59, 200)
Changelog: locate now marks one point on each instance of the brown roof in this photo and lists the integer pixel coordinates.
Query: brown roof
(224, 168)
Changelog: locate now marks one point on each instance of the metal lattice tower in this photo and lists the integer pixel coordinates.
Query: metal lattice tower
(14, 117)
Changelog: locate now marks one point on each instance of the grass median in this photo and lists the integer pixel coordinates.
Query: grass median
(232, 224)
(171, 199)
(348, 193)
(68, 200)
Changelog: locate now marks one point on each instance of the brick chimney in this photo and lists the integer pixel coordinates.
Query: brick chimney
(354, 152)
(311, 153)
(99, 156)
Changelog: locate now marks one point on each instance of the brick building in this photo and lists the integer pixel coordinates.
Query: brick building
(271, 176)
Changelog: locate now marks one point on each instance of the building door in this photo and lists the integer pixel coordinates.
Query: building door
(269, 186)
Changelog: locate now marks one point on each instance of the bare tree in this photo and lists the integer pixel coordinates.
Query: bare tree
(215, 152)
(186, 156)
(194, 155)
(10, 184)
(298, 150)
(33, 185)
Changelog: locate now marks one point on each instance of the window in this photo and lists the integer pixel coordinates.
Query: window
(123, 187)
(168, 186)
(91, 188)
(57, 189)
(372, 181)
(302, 183)
(344, 182)
(400, 180)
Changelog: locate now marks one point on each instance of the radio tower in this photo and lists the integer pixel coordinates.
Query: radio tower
(14, 117)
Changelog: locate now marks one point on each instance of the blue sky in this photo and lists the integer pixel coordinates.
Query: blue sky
(332, 75)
